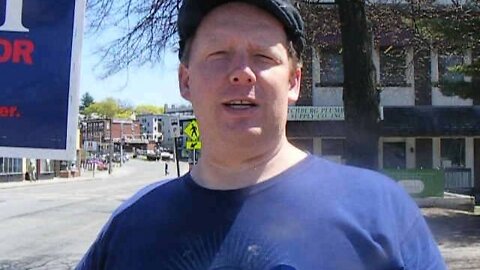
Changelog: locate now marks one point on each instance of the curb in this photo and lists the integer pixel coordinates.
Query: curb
(449, 201)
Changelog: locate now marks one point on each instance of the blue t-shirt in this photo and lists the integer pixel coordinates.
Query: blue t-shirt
(315, 215)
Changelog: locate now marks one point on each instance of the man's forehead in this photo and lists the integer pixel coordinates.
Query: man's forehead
(239, 16)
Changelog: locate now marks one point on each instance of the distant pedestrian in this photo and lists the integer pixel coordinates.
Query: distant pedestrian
(166, 168)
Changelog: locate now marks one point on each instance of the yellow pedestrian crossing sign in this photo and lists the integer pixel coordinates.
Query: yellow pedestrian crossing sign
(192, 131)
(191, 145)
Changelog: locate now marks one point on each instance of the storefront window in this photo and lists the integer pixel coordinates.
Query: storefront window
(46, 166)
(333, 147)
(452, 153)
(394, 156)
(10, 166)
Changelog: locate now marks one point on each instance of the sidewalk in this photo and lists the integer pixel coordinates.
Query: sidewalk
(85, 176)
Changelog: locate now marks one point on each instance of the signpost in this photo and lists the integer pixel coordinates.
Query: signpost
(175, 131)
(40, 43)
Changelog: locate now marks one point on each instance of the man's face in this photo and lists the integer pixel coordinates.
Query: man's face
(239, 78)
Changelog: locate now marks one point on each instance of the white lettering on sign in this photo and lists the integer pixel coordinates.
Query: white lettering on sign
(13, 17)
(308, 113)
(412, 186)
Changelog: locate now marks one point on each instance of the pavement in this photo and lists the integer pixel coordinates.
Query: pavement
(457, 233)
(85, 175)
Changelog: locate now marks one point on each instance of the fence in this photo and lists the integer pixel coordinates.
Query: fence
(458, 179)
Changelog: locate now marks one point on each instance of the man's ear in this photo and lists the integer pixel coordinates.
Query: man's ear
(294, 90)
(184, 81)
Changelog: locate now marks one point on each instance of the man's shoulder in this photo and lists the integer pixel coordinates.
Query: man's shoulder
(147, 194)
(355, 186)
(346, 174)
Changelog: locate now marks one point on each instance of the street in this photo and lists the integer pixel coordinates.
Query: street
(51, 225)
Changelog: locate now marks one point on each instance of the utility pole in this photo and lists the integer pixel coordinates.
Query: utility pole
(121, 143)
(110, 148)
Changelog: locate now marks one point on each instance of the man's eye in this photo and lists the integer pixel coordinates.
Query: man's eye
(264, 56)
(217, 53)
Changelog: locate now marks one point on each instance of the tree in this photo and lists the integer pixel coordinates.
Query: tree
(343, 27)
(146, 29)
(86, 101)
(110, 108)
(148, 109)
(360, 95)
(107, 108)
(456, 29)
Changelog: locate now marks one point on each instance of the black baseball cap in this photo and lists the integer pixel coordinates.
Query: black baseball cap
(192, 12)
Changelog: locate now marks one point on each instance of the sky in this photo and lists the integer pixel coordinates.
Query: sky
(154, 85)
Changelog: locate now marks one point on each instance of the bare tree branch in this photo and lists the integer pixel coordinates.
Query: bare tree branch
(153, 30)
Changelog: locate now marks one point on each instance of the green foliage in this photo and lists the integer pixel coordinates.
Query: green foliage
(107, 108)
(461, 88)
(148, 109)
(120, 109)
(86, 101)
(456, 30)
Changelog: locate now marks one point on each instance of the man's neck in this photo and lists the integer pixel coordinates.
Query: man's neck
(240, 171)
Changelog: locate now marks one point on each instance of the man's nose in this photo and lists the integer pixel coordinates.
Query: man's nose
(242, 72)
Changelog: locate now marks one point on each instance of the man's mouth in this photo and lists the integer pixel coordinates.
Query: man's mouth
(240, 104)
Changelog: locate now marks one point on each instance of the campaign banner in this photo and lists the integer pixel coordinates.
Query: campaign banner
(40, 49)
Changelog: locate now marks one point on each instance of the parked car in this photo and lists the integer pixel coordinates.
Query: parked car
(152, 155)
(166, 155)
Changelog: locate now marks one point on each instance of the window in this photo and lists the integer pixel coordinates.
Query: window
(331, 68)
(452, 152)
(393, 66)
(446, 62)
(46, 166)
(10, 166)
(333, 147)
(394, 155)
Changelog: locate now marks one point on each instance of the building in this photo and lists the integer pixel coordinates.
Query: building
(19, 169)
(157, 128)
(421, 127)
(99, 134)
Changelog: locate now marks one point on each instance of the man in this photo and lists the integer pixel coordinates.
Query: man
(254, 201)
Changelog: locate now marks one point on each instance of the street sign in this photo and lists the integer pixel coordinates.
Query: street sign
(194, 145)
(40, 42)
(192, 130)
